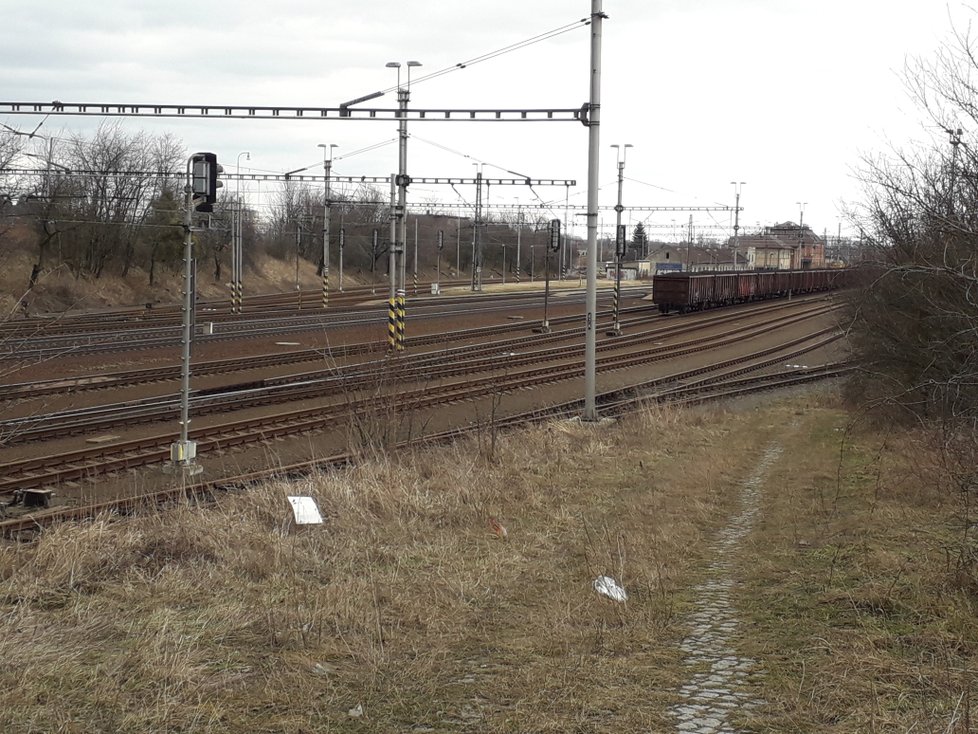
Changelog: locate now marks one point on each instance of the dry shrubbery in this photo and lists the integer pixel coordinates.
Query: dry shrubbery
(228, 618)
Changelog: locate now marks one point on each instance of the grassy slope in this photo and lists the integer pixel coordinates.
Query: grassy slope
(405, 601)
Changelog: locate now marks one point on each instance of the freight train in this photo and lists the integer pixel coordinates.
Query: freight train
(684, 292)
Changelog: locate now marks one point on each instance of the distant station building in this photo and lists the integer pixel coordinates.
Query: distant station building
(785, 246)
(695, 258)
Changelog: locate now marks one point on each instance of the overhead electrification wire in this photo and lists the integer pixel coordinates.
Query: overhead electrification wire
(654, 186)
(365, 149)
(468, 156)
(583, 22)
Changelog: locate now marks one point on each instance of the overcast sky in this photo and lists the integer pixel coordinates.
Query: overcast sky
(784, 95)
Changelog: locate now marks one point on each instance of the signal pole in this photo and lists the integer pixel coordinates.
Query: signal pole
(552, 246)
(619, 240)
(184, 452)
(737, 187)
(476, 239)
(201, 187)
(801, 221)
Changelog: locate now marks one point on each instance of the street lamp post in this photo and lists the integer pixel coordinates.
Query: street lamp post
(736, 248)
(327, 206)
(619, 239)
(237, 249)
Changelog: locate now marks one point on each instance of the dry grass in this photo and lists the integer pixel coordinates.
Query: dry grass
(59, 290)
(408, 603)
(853, 596)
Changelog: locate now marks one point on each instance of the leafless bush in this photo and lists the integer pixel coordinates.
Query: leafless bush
(914, 320)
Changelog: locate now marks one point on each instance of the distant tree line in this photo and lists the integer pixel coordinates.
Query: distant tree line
(125, 214)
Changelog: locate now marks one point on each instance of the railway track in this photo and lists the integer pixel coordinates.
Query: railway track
(98, 460)
(423, 369)
(727, 382)
(105, 336)
(631, 317)
(164, 373)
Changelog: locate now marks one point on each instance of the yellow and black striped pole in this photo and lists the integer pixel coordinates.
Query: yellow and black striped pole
(401, 307)
(325, 286)
(392, 324)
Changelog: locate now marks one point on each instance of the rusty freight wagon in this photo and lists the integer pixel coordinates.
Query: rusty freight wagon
(684, 292)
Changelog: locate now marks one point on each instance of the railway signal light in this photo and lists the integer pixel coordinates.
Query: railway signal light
(342, 238)
(441, 240)
(204, 181)
(620, 241)
(555, 234)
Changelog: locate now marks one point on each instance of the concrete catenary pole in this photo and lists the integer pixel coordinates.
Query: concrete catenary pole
(519, 236)
(594, 141)
(327, 211)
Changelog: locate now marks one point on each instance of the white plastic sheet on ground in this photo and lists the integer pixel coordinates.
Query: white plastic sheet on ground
(305, 510)
(606, 586)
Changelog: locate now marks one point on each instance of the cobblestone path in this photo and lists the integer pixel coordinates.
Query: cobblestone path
(719, 681)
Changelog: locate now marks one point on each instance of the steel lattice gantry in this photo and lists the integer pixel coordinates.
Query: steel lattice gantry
(92, 109)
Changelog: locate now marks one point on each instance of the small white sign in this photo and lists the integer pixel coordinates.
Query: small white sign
(305, 511)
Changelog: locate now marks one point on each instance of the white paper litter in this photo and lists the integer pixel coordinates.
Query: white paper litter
(606, 586)
(305, 510)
